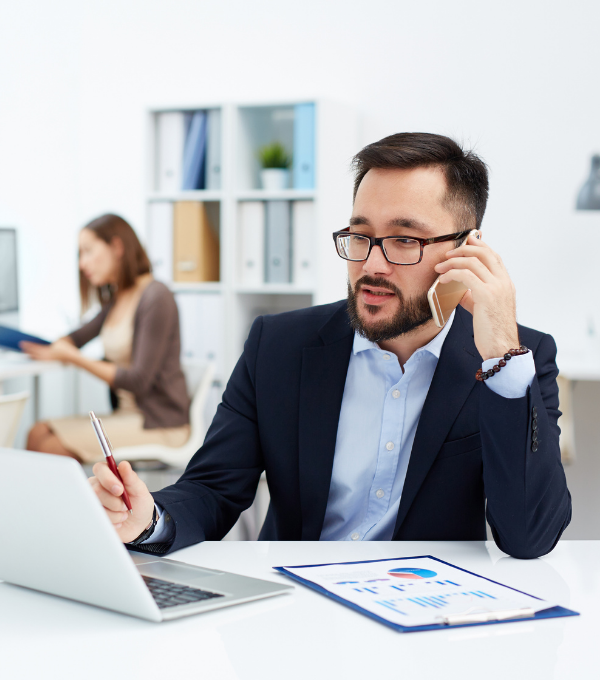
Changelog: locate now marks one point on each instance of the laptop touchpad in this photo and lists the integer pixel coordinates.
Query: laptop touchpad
(175, 572)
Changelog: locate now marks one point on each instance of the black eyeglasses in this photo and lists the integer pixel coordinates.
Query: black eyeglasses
(396, 249)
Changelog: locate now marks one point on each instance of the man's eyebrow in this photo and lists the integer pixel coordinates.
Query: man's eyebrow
(359, 220)
(407, 223)
(401, 222)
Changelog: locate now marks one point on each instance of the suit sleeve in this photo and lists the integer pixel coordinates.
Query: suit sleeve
(528, 503)
(221, 479)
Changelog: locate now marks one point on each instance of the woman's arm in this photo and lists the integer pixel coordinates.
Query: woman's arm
(67, 349)
(90, 330)
(64, 350)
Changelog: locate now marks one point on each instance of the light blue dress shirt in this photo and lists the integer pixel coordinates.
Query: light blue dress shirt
(380, 412)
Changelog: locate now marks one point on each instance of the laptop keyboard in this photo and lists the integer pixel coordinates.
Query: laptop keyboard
(169, 594)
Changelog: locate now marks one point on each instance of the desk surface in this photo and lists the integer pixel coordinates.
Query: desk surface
(306, 635)
(15, 365)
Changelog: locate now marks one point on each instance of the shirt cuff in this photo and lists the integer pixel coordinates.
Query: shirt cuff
(164, 529)
(514, 379)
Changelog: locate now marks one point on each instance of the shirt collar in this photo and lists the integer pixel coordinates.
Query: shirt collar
(434, 347)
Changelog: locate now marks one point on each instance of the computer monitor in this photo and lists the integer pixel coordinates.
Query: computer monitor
(9, 289)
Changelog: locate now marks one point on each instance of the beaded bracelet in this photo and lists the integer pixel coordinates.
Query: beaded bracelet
(484, 375)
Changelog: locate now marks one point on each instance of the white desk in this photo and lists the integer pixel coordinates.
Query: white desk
(306, 635)
(15, 365)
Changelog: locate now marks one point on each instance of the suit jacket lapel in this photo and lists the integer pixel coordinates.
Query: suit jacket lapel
(453, 380)
(322, 382)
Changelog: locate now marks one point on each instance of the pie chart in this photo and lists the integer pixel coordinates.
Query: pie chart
(412, 572)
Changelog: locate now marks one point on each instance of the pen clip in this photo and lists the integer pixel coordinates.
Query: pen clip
(110, 448)
(101, 435)
(477, 615)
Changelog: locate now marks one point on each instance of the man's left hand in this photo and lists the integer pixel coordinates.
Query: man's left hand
(490, 298)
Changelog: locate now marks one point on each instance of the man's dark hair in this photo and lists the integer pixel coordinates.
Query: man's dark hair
(466, 174)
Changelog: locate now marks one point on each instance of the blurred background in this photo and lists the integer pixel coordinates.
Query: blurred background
(98, 98)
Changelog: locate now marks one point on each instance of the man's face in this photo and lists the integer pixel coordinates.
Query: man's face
(387, 300)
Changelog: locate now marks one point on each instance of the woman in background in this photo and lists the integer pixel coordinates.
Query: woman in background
(139, 328)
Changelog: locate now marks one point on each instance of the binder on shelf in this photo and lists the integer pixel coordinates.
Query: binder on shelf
(277, 242)
(201, 323)
(251, 243)
(304, 146)
(194, 153)
(303, 246)
(170, 141)
(195, 244)
(160, 240)
(213, 150)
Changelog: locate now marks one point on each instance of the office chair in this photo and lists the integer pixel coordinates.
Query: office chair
(199, 378)
(11, 409)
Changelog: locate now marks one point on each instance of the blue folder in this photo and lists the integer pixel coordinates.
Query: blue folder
(194, 153)
(10, 338)
(552, 612)
(303, 159)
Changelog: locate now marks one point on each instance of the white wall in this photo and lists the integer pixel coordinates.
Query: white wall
(518, 81)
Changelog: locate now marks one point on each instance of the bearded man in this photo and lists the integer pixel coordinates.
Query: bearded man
(368, 419)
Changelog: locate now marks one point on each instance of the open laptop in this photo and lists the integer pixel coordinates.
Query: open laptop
(56, 538)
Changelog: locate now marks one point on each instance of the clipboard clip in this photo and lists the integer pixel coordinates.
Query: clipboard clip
(476, 615)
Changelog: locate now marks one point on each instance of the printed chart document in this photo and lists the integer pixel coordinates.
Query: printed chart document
(417, 593)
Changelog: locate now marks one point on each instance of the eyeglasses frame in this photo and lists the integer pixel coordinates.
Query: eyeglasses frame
(378, 241)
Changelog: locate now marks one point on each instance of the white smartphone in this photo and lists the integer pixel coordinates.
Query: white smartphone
(443, 298)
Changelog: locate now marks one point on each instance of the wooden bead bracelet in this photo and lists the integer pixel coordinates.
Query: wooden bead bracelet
(484, 375)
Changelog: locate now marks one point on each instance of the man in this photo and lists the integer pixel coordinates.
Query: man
(369, 419)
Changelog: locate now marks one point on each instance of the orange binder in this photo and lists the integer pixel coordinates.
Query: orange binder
(195, 244)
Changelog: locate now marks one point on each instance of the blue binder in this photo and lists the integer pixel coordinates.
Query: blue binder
(278, 242)
(304, 146)
(194, 153)
(552, 612)
(11, 337)
(213, 150)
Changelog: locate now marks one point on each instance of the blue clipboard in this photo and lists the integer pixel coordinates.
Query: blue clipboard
(552, 612)
(11, 337)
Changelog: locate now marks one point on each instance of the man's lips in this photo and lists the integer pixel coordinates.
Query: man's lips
(376, 296)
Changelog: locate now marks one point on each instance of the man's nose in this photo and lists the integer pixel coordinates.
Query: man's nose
(376, 263)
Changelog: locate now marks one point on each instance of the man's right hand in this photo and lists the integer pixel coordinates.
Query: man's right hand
(108, 488)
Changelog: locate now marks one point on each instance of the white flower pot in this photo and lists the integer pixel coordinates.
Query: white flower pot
(274, 179)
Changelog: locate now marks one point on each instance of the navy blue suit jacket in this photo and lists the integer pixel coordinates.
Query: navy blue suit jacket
(280, 413)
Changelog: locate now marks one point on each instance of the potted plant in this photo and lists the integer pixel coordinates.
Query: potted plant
(275, 161)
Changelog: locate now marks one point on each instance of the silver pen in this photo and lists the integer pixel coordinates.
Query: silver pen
(106, 447)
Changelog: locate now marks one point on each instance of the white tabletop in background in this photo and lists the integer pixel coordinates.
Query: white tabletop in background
(16, 365)
(306, 635)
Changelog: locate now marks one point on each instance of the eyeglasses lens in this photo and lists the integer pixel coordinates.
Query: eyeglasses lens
(402, 250)
(397, 250)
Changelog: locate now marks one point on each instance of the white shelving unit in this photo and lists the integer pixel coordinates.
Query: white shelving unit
(216, 315)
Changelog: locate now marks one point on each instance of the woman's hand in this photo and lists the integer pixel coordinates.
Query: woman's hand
(61, 350)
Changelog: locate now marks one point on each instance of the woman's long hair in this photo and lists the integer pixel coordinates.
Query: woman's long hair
(134, 262)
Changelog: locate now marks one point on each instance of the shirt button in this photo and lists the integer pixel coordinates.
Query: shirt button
(380, 493)
(389, 446)
(396, 394)
(355, 536)
(386, 357)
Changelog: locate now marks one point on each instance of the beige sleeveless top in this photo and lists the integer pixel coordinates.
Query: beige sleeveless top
(118, 344)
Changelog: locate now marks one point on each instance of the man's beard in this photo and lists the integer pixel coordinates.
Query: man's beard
(410, 315)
